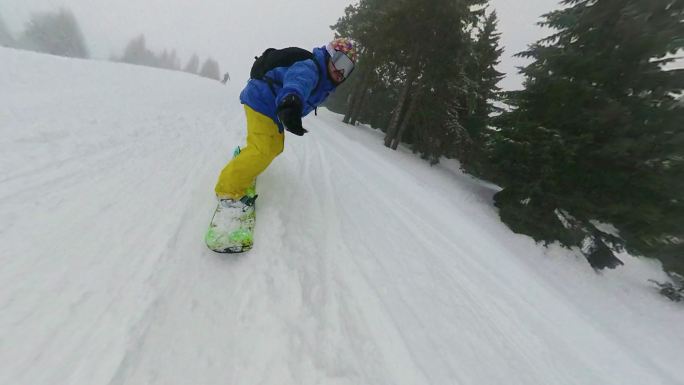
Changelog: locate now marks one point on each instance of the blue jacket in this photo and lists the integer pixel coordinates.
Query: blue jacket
(301, 79)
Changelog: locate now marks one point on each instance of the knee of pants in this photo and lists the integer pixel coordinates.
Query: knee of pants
(269, 146)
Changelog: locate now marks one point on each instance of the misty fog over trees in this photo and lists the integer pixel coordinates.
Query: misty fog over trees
(136, 52)
(58, 33)
(210, 69)
(193, 65)
(55, 33)
(6, 39)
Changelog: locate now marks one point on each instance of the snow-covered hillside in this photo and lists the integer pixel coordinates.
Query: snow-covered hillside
(370, 266)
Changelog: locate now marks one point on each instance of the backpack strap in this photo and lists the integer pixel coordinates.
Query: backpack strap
(271, 84)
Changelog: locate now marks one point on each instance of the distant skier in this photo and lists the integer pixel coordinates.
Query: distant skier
(226, 77)
(285, 86)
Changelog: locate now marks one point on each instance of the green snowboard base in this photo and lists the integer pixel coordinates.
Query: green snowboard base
(236, 240)
(228, 233)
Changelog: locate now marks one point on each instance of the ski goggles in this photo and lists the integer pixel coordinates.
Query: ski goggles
(342, 63)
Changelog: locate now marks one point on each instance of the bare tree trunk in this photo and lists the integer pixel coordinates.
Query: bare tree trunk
(360, 87)
(363, 98)
(359, 92)
(351, 102)
(407, 118)
(358, 103)
(394, 123)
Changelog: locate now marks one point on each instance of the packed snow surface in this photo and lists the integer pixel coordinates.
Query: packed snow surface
(369, 266)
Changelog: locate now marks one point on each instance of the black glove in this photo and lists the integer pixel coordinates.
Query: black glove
(290, 114)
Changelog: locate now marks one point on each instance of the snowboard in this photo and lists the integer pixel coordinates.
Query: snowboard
(231, 229)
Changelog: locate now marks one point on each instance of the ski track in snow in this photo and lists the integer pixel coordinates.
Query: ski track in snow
(369, 266)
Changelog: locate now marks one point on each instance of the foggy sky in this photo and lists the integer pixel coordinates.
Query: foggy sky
(234, 31)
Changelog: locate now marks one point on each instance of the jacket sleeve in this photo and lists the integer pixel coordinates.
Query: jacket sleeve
(300, 79)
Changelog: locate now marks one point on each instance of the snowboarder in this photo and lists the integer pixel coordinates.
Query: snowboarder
(226, 77)
(274, 103)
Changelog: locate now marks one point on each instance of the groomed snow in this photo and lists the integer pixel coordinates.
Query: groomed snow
(370, 266)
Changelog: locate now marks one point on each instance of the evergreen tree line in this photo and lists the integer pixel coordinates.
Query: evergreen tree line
(426, 75)
(589, 154)
(136, 52)
(58, 33)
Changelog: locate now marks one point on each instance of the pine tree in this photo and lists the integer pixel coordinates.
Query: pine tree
(136, 52)
(210, 69)
(597, 134)
(479, 101)
(56, 33)
(164, 60)
(441, 47)
(6, 39)
(193, 65)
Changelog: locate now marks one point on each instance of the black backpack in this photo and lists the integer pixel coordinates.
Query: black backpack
(274, 58)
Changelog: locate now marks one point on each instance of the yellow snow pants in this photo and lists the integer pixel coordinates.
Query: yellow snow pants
(264, 143)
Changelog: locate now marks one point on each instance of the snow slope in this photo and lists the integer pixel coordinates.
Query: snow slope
(370, 266)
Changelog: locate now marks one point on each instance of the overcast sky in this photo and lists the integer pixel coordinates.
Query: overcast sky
(233, 31)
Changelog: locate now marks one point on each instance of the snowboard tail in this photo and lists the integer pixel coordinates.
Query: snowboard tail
(235, 241)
